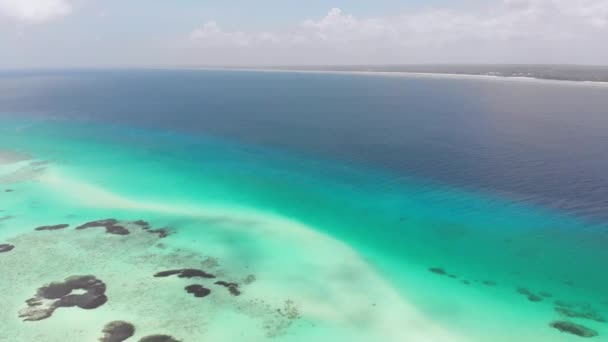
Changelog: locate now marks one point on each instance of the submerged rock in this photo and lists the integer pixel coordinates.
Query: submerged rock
(5, 247)
(197, 290)
(54, 227)
(185, 273)
(59, 294)
(117, 331)
(158, 338)
(574, 329)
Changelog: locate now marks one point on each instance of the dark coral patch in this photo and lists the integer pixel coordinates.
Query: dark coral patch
(53, 227)
(489, 283)
(562, 304)
(164, 274)
(531, 296)
(523, 291)
(111, 226)
(198, 291)
(226, 284)
(568, 282)
(98, 223)
(161, 232)
(574, 329)
(117, 230)
(6, 218)
(249, 279)
(8, 190)
(141, 223)
(584, 312)
(438, 270)
(117, 331)
(442, 272)
(545, 294)
(158, 338)
(185, 273)
(4, 247)
(233, 288)
(40, 163)
(59, 294)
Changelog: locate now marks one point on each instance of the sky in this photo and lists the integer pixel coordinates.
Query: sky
(185, 33)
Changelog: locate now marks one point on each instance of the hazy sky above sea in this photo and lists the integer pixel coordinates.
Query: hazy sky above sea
(125, 33)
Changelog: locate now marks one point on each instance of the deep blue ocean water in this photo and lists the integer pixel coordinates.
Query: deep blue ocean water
(531, 141)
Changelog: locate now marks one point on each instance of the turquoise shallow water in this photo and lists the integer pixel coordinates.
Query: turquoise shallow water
(338, 251)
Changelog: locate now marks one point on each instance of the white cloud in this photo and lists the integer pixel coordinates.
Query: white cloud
(212, 34)
(511, 30)
(34, 10)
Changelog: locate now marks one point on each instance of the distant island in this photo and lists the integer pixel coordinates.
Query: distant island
(581, 73)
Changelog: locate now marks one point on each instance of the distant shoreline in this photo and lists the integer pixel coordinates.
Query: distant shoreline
(408, 74)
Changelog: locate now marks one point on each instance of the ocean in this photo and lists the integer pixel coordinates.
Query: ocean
(197, 205)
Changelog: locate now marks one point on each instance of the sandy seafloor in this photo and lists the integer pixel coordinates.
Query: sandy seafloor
(321, 251)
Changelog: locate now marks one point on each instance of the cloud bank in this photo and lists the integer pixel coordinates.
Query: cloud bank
(34, 11)
(563, 31)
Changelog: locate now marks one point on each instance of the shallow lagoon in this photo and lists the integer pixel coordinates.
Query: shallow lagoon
(318, 248)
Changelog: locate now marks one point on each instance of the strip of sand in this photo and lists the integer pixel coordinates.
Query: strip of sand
(404, 74)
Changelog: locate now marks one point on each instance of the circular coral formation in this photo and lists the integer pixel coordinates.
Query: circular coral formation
(59, 294)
